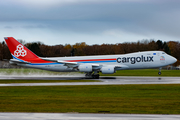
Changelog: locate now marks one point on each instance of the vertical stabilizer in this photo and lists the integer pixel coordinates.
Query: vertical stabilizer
(19, 51)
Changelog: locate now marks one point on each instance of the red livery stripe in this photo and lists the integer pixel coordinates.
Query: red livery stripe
(90, 60)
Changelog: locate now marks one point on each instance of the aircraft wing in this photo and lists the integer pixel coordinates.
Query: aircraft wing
(69, 64)
(121, 66)
(76, 64)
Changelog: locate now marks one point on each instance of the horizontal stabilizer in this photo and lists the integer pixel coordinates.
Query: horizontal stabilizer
(15, 61)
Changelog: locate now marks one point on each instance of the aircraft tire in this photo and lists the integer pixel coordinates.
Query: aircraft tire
(159, 73)
(95, 76)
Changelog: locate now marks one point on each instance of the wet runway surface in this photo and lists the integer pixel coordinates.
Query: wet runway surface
(77, 116)
(104, 80)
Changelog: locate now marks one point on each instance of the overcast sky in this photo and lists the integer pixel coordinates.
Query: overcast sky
(92, 21)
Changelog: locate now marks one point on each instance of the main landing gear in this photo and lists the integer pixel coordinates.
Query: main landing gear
(159, 73)
(92, 75)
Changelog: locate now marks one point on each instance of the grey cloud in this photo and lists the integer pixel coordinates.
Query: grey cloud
(145, 17)
(8, 27)
(81, 11)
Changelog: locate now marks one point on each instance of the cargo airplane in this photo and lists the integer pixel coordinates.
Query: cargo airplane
(91, 65)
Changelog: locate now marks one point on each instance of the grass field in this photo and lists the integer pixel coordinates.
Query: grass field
(143, 72)
(145, 99)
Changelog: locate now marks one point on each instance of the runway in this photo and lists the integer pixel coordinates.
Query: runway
(77, 116)
(123, 80)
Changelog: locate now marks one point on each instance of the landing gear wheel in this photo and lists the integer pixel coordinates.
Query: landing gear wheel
(88, 75)
(159, 73)
(95, 76)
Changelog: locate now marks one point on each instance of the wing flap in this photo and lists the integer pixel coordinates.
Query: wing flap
(121, 66)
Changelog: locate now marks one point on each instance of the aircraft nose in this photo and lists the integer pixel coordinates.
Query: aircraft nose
(173, 59)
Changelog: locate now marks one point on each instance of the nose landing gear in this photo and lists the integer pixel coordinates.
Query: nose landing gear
(159, 73)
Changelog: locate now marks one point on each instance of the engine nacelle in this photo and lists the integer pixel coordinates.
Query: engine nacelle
(108, 70)
(85, 68)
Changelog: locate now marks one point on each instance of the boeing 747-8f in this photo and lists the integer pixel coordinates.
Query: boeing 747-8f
(91, 65)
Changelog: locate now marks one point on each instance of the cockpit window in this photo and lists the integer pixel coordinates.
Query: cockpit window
(163, 53)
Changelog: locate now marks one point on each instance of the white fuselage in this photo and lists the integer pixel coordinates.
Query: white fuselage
(138, 60)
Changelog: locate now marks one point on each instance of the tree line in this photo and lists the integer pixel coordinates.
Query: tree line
(82, 49)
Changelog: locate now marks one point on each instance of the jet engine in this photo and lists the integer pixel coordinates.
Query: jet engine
(85, 68)
(108, 70)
